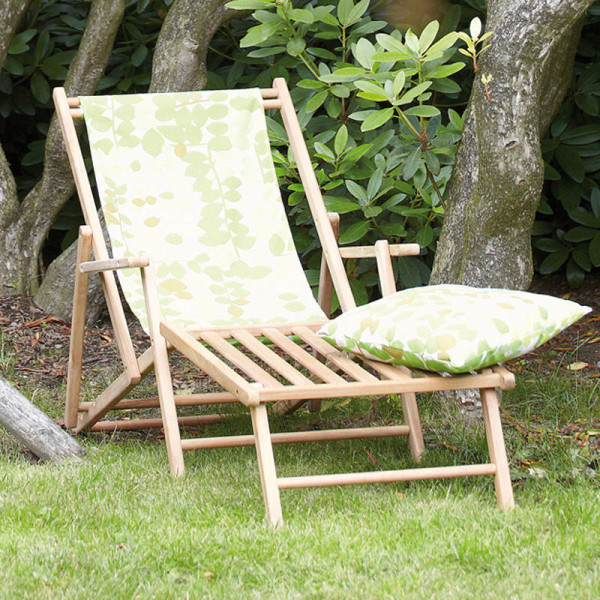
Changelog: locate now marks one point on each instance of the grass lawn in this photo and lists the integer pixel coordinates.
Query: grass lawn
(116, 525)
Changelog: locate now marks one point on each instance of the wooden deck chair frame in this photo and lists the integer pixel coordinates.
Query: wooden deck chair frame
(333, 373)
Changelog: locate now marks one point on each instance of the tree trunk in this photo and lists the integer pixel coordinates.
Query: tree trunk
(33, 428)
(179, 64)
(25, 225)
(494, 191)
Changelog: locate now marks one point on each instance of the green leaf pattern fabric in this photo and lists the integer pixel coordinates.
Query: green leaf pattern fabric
(451, 328)
(188, 179)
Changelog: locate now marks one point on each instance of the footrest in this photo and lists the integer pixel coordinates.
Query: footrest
(385, 476)
(297, 436)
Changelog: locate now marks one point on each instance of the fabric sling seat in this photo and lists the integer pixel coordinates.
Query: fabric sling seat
(205, 257)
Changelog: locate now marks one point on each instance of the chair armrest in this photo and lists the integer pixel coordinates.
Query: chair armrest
(370, 252)
(95, 266)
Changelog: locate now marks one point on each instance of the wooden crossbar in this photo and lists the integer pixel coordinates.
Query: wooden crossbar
(287, 483)
(297, 437)
(132, 425)
(180, 400)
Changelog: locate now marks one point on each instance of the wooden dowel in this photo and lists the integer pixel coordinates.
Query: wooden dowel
(269, 92)
(180, 400)
(297, 437)
(267, 104)
(154, 423)
(73, 102)
(384, 268)
(385, 476)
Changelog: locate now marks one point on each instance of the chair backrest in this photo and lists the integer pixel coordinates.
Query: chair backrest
(188, 179)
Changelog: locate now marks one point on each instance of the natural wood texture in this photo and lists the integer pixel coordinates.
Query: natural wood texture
(213, 366)
(154, 423)
(495, 440)
(255, 330)
(84, 248)
(303, 357)
(411, 416)
(286, 483)
(384, 267)
(371, 252)
(163, 373)
(180, 400)
(33, 428)
(266, 464)
(325, 281)
(95, 266)
(271, 358)
(295, 437)
(88, 206)
(240, 360)
(313, 195)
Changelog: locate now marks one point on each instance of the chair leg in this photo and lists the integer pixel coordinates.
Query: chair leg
(84, 247)
(411, 416)
(266, 464)
(164, 384)
(495, 440)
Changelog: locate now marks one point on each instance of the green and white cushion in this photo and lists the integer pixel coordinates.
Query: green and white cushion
(188, 179)
(451, 328)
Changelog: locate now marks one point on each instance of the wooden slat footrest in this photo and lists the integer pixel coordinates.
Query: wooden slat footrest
(297, 436)
(153, 423)
(385, 476)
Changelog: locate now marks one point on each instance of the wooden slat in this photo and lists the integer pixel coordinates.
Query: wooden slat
(212, 365)
(370, 251)
(325, 295)
(385, 476)
(303, 357)
(240, 360)
(374, 388)
(297, 437)
(84, 248)
(135, 424)
(507, 376)
(271, 358)
(388, 371)
(313, 195)
(255, 330)
(333, 355)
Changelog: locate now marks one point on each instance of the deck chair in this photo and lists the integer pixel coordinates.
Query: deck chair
(206, 261)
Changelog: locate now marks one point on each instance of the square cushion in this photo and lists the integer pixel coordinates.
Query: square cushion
(451, 328)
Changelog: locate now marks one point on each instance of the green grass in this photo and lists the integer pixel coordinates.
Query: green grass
(116, 525)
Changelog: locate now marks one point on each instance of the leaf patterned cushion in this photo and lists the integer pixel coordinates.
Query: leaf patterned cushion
(188, 179)
(451, 328)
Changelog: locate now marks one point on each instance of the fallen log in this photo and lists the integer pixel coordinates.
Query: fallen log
(33, 428)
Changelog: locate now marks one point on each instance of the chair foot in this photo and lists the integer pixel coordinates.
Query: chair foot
(266, 464)
(497, 449)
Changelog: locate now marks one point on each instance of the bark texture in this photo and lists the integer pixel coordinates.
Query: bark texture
(33, 428)
(25, 225)
(179, 62)
(495, 188)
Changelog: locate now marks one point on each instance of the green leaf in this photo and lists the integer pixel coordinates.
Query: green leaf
(54, 70)
(571, 162)
(341, 205)
(139, 55)
(363, 51)
(324, 151)
(428, 35)
(357, 191)
(399, 82)
(579, 136)
(579, 234)
(18, 44)
(443, 44)
(422, 111)
(594, 250)
(316, 101)
(425, 236)
(262, 52)
(575, 274)
(412, 93)
(310, 84)
(377, 119)
(412, 164)
(374, 90)
(354, 232)
(295, 46)
(40, 88)
(302, 15)
(358, 11)
(445, 70)
(250, 4)
(343, 11)
(258, 34)
(554, 261)
(374, 183)
(341, 91)
(341, 138)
